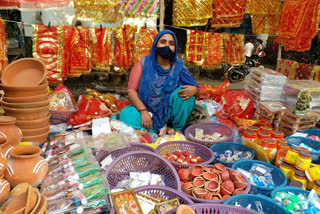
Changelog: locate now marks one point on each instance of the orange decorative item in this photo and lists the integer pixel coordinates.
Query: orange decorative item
(101, 47)
(108, 99)
(121, 52)
(228, 13)
(234, 49)
(11, 131)
(287, 68)
(194, 47)
(47, 46)
(213, 50)
(130, 32)
(5, 147)
(4, 189)
(25, 165)
(298, 24)
(144, 42)
(3, 46)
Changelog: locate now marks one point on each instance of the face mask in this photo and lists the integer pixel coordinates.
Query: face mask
(165, 52)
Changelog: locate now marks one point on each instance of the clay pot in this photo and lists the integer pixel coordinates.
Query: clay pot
(227, 188)
(35, 131)
(208, 196)
(37, 202)
(39, 123)
(239, 178)
(24, 91)
(187, 187)
(217, 195)
(27, 113)
(40, 139)
(215, 198)
(212, 186)
(209, 176)
(25, 165)
(225, 175)
(233, 173)
(4, 189)
(219, 166)
(197, 172)
(4, 145)
(184, 209)
(198, 182)
(240, 185)
(19, 189)
(183, 174)
(8, 127)
(42, 206)
(25, 72)
(206, 169)
(237, 192)
(26, 105)
(199, 192)
(29, 99)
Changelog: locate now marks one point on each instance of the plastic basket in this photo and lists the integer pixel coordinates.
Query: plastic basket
(279, 179)
(193, 148)
(315, 132)
(222, 147)
(295, 141)
(268, 204)
(61, 116)
(294, 190)
(209, 128)
(199, 200)
(216, 208)
(163, 192)
(142, 161)
(116, 153)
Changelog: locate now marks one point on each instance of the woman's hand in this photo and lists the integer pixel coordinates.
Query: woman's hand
(187, 91)
(146, 120)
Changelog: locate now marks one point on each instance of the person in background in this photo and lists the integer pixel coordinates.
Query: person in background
(248, 48)
(259, 51)
(161, 89)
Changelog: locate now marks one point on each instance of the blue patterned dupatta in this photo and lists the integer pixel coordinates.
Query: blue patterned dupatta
(157, 84)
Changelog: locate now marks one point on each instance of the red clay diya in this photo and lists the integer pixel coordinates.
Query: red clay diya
(219, 166)
(183, 174)
(212, 186)
(199, 192)
(227, 187)
(198, 182)
(225, 175)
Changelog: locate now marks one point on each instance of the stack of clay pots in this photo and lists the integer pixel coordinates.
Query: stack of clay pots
(26, 98)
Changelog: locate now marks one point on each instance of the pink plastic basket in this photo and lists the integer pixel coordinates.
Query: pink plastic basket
(116, 153)
(209, 128)
(198, 200)
(162, 192)
(216, 208)
(193, 148)
(142, 161)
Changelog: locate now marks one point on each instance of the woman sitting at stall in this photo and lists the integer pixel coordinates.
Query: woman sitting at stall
(161, 89)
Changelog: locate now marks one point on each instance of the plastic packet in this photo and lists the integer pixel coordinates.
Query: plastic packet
(61, 101)
(259, 169)
(109, 142)
(314, 199)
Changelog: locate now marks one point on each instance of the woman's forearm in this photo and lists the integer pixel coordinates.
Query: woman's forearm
(135, 100)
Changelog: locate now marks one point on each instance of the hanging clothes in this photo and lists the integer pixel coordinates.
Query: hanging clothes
(144, 42)
(32, 4)
(133, 8)
(191, 12)
(131, 43)
(227, 13)
(194, 47)
(3, 46)
(234, 49)
(121, 52)
(47, 46)
(213, 50)
(298, 24)
(287, 68)
(101, 47)
(304, 71)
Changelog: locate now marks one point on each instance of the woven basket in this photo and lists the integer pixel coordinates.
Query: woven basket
(215, 209)
(61, 116)
(199, 200)
(295, 141)
(279, 179)
(163, 192)
(116, 153)
(193, 148)
(142, 161)
(222, 147)
(209, 129)
(268, 204)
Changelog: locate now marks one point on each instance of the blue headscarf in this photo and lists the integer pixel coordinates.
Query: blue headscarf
(157, 84)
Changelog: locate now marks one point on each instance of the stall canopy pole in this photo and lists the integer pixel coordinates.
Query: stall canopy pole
(161, 15)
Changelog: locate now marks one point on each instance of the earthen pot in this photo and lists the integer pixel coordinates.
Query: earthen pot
(36, 190)
(4, 189)
(35, 131)
(25, 72)
(184, 209)
(218, 195)
(199, 192)
(219, 166)
(208, 176)
(26, 105)
(27, 113)
(237, 192)
(38, 123)
(8, 127)
(212, 186)
(183, 174)
(24, 91)
(5, 147)
(227, 187)
(240, 185)
(3, 162)
(42, 206)
(197, 172)
(233, 173)
(224, 175)
(187, 187)
(19, 189)
(25, 165)
(208, 196)
(195, 167)
(40, 139)
(198, 182)
(29, 99)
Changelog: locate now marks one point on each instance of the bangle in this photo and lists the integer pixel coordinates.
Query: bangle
(142, 110)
